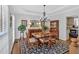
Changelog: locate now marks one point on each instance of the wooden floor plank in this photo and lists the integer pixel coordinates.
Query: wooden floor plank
(16, 48)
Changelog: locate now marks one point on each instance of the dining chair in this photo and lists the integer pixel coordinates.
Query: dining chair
(31, 42)
(52, 41)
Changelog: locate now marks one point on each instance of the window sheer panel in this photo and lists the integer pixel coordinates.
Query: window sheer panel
(0, 19)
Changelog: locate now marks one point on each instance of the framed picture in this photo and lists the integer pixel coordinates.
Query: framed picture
(35, 23)
(24, 22)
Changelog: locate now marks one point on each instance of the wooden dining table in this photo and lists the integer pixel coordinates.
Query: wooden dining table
(40, 35)
(43, 37)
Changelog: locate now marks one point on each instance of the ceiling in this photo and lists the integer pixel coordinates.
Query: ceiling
(38, 9)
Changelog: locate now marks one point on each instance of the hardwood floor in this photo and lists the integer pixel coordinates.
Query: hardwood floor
(72, 49)
(16, 48)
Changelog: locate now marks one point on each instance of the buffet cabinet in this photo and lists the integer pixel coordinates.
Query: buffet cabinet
(54, 28)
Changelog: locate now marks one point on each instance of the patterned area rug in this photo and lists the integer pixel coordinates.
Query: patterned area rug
(60, 47)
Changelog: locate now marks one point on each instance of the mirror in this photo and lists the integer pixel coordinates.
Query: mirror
(35, 23)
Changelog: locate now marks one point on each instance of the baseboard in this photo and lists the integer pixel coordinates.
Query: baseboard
(12, 47)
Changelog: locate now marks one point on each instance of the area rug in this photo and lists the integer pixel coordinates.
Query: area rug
(59, 48)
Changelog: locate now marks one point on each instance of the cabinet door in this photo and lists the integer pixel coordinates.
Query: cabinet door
(54, 28)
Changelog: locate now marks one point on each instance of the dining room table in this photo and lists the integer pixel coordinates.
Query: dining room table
(43, 37)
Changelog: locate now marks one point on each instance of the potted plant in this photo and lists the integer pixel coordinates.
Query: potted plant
(45, 28)
(22, 28)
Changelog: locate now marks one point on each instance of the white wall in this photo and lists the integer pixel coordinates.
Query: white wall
(62, 29)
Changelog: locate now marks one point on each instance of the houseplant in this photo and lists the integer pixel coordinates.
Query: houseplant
(22, 28)
(44, 28)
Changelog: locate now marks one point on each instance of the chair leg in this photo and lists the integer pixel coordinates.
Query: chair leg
(30, 45)
(49, 44)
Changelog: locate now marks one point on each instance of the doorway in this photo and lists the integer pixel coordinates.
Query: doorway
(11, 32)
(70, 22)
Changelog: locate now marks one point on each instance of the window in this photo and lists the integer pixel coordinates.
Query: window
(0, 18)
(4, 19)
(76, 21)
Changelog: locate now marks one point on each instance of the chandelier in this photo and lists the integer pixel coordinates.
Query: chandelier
(44, 18)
